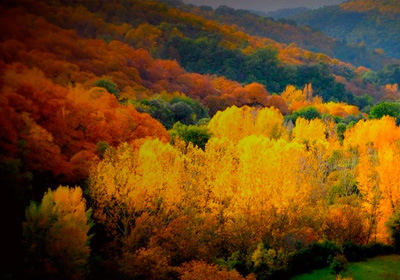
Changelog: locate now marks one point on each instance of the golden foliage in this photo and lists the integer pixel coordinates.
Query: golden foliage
(236, 123)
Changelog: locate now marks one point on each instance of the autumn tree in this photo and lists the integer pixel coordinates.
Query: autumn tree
(309, 130)
(236, 123)
(56, 234)
(145, 178)
(201, 271)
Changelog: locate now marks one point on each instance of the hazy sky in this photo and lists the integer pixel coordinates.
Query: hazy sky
(265, 5)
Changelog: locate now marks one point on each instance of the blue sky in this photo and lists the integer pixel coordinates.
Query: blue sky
(265, 5)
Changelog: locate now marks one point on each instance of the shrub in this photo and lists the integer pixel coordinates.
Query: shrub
(337, 264)
(393, 225)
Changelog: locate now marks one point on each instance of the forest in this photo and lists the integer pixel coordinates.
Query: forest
(371, 22)
(145, 139)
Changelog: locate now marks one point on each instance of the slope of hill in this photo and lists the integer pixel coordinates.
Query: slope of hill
(97, 53)
(287, 31)
(375, 23)
(87, 96)
(285, 13)
(206, 47)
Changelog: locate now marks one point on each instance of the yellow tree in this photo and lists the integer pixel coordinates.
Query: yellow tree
(309, 131)
(308, 91)
(236, 123)
(56, 234)
(389, 176)
(368, 185)
(378, 132)
(273, 177)
(221, 178)
(144, 36)
(129, 182)
(389, 182)
(292, 95)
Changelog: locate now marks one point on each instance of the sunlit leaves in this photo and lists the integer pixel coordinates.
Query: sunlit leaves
(236, 123)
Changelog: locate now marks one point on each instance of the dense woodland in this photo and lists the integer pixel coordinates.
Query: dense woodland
(285, 30)
(371, 22)
(154, 140)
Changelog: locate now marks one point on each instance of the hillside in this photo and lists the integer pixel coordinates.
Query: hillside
(375, 23)
(204, 46)
(141, 141)
(287, 31)
(284, 13)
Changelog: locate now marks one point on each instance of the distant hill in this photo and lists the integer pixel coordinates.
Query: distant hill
(374, 23)
(286, 13)
(288, 31)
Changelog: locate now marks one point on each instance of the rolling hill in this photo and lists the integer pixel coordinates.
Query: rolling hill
(374, 23)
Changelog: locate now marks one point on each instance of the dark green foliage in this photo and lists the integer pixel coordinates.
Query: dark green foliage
(182, 112)
(324, 85)
(101, 148)
(385, 109)
(110, 86)
(262, 67)
(178, 109)
(390, 74)
(198, 135)
(160, 110)
(314, 256)
(319, 255)
(340, 130)
(355, 252)
(337, 264)
(393, 226)
(236, 261)
(378, 249)
(376, 29)
(363, 101)
(205, 55)
(308, 113)
(199, 110)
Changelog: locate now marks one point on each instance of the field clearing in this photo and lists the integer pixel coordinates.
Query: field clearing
(378, 268)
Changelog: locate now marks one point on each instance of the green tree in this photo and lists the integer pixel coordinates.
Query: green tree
(308, 113)
(109, 85)
(198, 135)
(385, 109)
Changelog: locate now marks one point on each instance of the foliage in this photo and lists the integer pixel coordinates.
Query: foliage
(56, 234)
(202, 271)
(308, 113)
(349, 21)
(337, 264)
(246, 189)
(393, 225)
(197, 135)
(385, 109)
(314, 256)
(108, 85)
(237, 123)
(380, 268)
